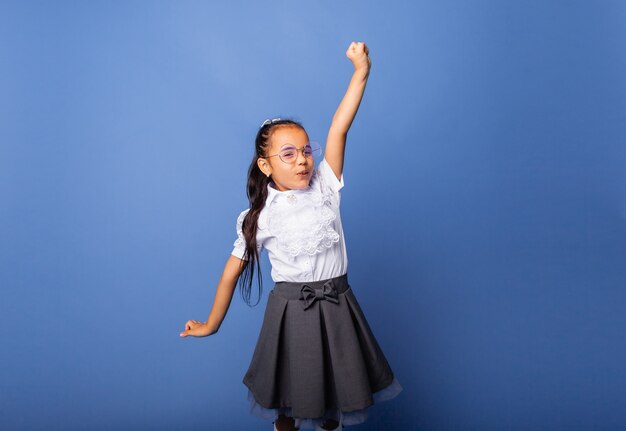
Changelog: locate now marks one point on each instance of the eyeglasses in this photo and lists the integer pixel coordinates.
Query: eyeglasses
(290, 154)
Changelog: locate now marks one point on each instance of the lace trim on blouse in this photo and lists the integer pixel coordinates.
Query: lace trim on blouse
(302, 221)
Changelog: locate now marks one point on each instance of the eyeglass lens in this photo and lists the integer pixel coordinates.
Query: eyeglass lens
(290, 154)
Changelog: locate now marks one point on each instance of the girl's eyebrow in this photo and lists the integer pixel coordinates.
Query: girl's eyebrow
(291, 145)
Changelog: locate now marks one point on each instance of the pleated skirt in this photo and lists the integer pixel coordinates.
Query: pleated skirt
(316, 357)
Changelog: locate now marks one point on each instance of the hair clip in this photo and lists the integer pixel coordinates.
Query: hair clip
(268, 121)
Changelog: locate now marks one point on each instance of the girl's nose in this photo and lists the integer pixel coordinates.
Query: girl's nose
(301, 160)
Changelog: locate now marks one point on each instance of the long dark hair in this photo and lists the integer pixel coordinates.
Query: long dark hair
(257, 194)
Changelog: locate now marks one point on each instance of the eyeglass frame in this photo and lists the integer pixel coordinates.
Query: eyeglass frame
(319, 149)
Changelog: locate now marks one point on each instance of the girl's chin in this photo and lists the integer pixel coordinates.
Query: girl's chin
(297, 184)
(302, 184)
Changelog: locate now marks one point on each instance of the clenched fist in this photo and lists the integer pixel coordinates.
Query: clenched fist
(358, 53)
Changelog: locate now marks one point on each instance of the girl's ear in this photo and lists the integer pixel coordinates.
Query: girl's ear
(264, 166)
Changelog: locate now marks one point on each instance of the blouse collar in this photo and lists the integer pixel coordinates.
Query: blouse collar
(272, 193)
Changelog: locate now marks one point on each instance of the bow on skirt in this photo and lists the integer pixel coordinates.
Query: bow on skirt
(308, 295)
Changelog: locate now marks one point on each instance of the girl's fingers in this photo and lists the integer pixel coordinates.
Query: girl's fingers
(188, 331)
(190, 324)
(354, 46)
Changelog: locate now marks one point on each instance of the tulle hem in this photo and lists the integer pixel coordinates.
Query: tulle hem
(346, 418)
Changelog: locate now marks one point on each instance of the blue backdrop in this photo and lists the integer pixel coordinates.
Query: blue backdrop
(484, 206)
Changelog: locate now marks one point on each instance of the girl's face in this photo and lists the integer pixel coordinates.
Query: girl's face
(287, 176)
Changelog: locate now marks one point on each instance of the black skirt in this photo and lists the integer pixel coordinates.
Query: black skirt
(316, 357)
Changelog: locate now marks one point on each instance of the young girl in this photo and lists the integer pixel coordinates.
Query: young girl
(316, 363)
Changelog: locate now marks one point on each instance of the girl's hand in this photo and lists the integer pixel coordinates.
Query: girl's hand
(358, 53)
(197, 329)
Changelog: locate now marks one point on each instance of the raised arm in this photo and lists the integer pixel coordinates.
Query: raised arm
(358, 53)
(221, 303)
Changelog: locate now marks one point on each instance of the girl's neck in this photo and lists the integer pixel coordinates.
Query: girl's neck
(272, 184)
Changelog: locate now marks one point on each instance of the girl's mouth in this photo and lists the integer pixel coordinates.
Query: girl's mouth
(303, 173)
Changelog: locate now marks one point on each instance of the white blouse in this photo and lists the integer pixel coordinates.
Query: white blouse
(301, 230)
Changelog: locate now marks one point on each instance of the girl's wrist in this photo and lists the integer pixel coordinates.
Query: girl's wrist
(213, 327)
(361, 74)
(362, 70)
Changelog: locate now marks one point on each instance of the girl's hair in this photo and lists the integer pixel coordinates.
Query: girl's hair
(257, 194)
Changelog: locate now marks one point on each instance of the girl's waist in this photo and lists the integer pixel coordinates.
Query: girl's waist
(295, 289)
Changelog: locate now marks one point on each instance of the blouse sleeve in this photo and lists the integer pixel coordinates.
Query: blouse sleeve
(326, 172)
(240, 243)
